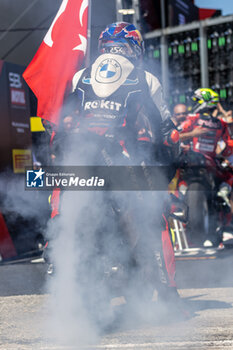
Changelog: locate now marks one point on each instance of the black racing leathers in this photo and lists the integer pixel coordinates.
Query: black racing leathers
(123, 105)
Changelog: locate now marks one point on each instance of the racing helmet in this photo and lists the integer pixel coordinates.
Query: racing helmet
(204, 99)
(121, 38)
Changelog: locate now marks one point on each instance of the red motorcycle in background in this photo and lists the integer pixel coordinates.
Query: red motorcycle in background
(199, 178)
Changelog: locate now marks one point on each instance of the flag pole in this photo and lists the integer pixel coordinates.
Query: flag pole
(164, 48)
(88, 51)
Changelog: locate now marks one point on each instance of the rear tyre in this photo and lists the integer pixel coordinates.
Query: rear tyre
(198, 226)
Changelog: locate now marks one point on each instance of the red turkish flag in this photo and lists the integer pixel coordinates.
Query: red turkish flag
(60, 55)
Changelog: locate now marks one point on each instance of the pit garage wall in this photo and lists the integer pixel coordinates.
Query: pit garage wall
(15, 154)
(15, 134)
(198, 54)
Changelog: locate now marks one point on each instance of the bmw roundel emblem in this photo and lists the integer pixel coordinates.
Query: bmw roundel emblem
(108, 71)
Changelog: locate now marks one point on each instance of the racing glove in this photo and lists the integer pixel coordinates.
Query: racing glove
(170, 133)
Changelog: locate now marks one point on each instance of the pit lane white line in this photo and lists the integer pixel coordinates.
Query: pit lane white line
(227, 344)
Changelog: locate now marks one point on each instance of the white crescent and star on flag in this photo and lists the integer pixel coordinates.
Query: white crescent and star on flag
(48, 37)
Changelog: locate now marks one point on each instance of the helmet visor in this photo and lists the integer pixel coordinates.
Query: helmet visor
(120, 47)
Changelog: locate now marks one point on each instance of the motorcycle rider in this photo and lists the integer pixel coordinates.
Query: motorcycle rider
(118, 100)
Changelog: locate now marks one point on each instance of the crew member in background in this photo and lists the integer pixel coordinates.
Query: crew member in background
(227, 117)
(221, 113)
(59, 139)
(180, 112)
(184, 122)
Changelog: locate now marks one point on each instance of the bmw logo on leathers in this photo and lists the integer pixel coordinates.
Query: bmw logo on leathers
(109, 71)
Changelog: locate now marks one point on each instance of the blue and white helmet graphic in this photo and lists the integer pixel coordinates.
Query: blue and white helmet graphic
(121, 38)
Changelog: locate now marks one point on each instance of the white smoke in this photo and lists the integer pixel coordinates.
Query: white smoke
(82, 239)
(26, 213)
(74, 254)
(68, 320)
